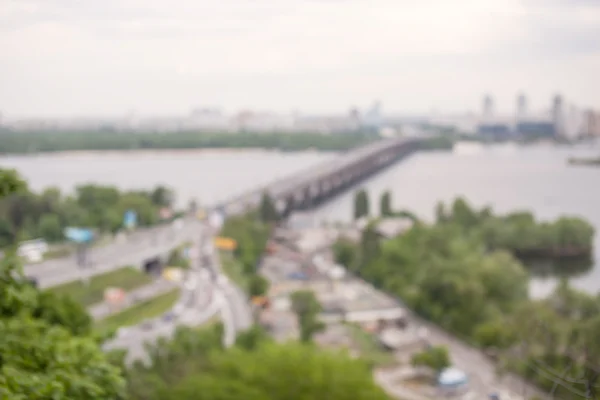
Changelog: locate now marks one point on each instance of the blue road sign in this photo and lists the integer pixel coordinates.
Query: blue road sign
(130, 219)
(78, 235)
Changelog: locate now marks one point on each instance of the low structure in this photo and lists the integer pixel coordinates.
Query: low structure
(391, 227)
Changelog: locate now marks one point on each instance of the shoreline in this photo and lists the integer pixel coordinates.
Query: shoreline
(145, 152)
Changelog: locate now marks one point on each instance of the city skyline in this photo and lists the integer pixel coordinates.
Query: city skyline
(63, 59)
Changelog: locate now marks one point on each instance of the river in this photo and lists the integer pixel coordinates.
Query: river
(505, 177)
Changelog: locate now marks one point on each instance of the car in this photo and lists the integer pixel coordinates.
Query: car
(147, 325)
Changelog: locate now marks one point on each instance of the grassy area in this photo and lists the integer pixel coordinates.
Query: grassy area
(127, 278)
(233, 269)
(134, 315)
(369, 348)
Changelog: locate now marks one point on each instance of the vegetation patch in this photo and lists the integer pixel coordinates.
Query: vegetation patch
(369, 347)
(138, 313)
(87, 294)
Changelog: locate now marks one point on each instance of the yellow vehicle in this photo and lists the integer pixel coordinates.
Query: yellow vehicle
(224, 243)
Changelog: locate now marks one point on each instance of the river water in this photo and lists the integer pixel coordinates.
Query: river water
(505, 177)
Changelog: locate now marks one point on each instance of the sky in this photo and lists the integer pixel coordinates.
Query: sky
(63, 58)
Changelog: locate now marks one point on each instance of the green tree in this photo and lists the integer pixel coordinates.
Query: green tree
(49, 228)
(385, 206)
(258, 286)
(307, 309)
(361, 204)
(268, 210)
(46, 352)
(162, 196)
(194, 366)
(436, 357)
(345, 253)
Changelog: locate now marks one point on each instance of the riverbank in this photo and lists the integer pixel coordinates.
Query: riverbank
(42, 142)
(142, 153)
(584, 161)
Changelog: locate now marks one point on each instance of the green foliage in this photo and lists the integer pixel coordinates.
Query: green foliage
(436, 357)
(267, 209)
(461, 274)
(194, 366)
(361, 204)
(46, 351)
(43, 361)
(46, 214)
(520, 233)
(258, 286)
(25, 142)
(385, 206)
(307, 309)
(251, 235)
(345, 253)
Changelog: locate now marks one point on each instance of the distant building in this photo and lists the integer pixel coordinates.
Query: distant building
(558, 115)
(591, 125)
(521, 106)
(536, 129)
(495, 130)
(488, 106)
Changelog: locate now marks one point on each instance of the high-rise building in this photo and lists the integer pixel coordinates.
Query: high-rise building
(558, 115)
(521, 106)
(591, 124)
(488, 106)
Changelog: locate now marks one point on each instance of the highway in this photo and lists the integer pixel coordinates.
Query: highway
(134, 250)
(206, 292)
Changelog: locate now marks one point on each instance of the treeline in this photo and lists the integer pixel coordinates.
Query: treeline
(449, 273)
(45, 215)
(49, 351)
(33, 142)
(519, 232)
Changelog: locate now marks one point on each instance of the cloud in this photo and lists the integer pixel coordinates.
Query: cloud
(352, 47)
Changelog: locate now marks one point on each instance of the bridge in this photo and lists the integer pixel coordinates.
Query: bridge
(301, 191)
(311, 187)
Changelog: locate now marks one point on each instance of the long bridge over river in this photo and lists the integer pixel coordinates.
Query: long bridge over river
(301, 191)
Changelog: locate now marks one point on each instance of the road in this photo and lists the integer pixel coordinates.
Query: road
(133, 251)
(483, 378)
(206, 292)
(147, 292)
(235, 312)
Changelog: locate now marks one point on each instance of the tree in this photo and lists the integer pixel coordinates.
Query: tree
(49, 228)
(268, 210)
(46, 351)
(162, 196)
(361, 204)
(193, 366)
(345, 253)
(386, 204)
(436, 357)
(258, 285)
(307, 309)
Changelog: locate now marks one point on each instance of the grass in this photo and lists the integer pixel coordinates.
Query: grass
(150, 308)
(233, 269)
(126, 278)
(369, 347)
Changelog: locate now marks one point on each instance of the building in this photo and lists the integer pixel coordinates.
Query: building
(558, 117)
(591, 124)
(536, 129)
(521, 106)
(488, 106)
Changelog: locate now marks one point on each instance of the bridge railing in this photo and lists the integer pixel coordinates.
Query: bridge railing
(310, 174)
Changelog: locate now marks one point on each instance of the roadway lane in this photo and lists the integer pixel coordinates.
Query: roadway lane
(108, 258)
(160, 286)
(236, 312)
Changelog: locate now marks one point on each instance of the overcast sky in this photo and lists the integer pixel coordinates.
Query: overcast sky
(108, 57)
